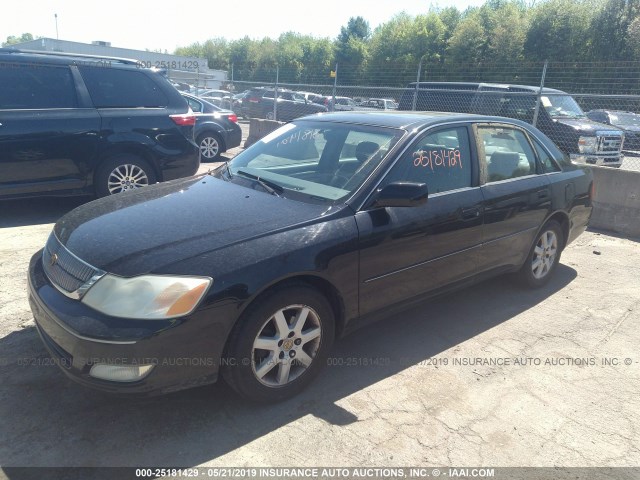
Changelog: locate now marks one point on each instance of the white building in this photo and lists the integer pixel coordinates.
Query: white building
(191, 70)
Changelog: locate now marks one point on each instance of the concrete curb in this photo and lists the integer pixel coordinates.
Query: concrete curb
(258, 128)
(616, 204)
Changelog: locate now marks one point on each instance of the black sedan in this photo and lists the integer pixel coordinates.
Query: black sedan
(216, 129)
(323, 225)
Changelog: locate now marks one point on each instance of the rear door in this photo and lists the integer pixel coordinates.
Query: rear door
(517, 195)
(48, 134)
(408, 251)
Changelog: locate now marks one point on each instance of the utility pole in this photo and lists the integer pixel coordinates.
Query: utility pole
(56, 16)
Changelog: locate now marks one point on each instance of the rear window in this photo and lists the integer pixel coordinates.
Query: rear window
(33, 86)
(115, 88)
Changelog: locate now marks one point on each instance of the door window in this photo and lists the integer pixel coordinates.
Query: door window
(32, 86)
(548, 164)
(507, 153)
(440, 159)
(115, 88)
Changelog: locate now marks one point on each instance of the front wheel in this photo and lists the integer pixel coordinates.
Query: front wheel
(279, 344)
(544, 256)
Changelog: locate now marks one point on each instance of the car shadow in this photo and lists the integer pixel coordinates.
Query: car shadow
(36, 211)
(48, 420)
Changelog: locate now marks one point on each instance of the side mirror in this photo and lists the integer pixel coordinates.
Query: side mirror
(401, 194)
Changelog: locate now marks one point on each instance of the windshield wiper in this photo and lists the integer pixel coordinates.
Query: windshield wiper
(271, 187)
(227, 169)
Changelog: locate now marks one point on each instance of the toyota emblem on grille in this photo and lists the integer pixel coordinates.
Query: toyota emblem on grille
(53, 260)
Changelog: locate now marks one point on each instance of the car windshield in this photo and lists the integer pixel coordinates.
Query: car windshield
(318, 162)
(561, 106)
(624, 119)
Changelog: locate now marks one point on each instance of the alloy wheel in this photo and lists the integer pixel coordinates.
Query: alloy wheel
(544, 254)
(126, 177)
(209, 147)
(286, 345)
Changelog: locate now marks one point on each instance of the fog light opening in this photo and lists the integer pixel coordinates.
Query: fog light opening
(120, 373)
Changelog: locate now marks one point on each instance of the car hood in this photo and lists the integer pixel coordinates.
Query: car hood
(585, 125)
(629, 128)
(142, 231)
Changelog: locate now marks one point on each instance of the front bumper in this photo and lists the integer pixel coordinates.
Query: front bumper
(607, 161)
(185, 352)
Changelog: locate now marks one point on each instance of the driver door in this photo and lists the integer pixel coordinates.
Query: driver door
(409, 251)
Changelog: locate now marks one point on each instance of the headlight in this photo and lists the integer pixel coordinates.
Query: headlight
(147, 296)
(587, 144)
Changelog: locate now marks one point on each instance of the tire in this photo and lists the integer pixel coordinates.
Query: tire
(269, 115)
(123, 172)
(210, 145)
(287, 356)
(544, 256)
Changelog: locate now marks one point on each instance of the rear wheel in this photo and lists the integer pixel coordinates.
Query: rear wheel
(121, 173)
(280, 344)
(544, 256)
(269, 115)
(210, 145)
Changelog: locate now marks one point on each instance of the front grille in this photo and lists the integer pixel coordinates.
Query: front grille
(65, 270)
(609, 143)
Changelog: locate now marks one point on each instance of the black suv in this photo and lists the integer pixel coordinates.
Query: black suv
(74, 125)
(628, 122)
(258, 103)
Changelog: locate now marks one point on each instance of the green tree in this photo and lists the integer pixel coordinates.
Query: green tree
(559, 30)
(633, 38)
(610, 29)
(467, 45)
(13, 40)
(352, 50)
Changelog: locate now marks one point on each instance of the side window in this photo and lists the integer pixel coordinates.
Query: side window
(507, 153)
(195, 106)
(115, 88)
(27, 87)
(441, 159)
(548, 164)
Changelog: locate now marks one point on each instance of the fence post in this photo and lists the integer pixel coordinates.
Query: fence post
(415, 93)
(335, 83)
(537, 110)
(275, 95)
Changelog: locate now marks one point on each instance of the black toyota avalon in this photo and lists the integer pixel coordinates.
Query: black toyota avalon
(327, 223)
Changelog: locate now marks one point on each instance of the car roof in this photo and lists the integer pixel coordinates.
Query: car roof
(473, 86)
(406, 120)
(61, 58)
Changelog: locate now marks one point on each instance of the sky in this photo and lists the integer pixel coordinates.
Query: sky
(165, 25)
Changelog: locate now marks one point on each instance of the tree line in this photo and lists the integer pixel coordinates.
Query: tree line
(449, 43)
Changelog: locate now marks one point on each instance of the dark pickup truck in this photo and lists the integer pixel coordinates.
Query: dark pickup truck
(559, 116)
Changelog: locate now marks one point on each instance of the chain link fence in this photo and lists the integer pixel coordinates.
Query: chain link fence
(587, 109)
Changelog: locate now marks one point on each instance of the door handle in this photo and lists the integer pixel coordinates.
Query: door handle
(470, 213)
(544, 193)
